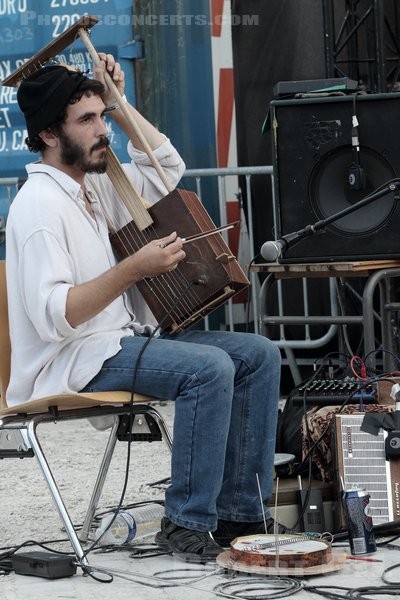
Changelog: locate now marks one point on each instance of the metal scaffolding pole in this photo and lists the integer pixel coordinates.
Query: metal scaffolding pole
(360, 41)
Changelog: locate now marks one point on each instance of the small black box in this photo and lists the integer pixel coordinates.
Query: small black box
(313, 516)
(43, 564)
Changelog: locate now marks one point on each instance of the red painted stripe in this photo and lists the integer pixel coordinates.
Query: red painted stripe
(225, 115)
(232, 215)
(217, 9)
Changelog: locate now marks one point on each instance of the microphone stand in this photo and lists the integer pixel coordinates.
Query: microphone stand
(391, 186)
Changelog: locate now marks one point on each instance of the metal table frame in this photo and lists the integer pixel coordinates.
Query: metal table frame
(376, 278)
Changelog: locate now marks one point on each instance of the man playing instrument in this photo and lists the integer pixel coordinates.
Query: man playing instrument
(73, 325)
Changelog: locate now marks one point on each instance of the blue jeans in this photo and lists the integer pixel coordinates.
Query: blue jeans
(226, 389)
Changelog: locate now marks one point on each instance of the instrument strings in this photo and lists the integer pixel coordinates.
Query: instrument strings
(170, 286)
(166, 287)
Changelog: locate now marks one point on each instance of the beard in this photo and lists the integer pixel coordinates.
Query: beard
(72, 154)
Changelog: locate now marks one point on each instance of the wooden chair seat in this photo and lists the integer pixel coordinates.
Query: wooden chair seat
(63, 402)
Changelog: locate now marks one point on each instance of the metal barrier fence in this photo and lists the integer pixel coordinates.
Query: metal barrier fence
(223, 198)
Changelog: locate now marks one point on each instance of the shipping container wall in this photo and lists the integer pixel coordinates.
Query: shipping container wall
(175, 88)
(175, 81)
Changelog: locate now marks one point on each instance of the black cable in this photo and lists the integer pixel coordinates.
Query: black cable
(381, 529)
(248, 301)
(342, 406)
(388, 542)
(360, 593)
(89, 571)
(354, 134)
(308, 433)
(308, 457)
(6, 566)
(305, 383)
(245, 588)
(305, 503)
(343, 313)
(363, 593)
(322, 591)
(384, 351)
(386, 571)
(13, 549)
(312, 446)
(333, 354)
(111, 508)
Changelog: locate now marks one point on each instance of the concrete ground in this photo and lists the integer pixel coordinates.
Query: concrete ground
(74, 451)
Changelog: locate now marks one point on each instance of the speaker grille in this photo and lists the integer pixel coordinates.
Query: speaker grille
(312, 157)
(330, 191)
(362, 462)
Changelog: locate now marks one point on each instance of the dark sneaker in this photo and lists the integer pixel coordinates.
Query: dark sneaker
(194, 546)
(229, 530)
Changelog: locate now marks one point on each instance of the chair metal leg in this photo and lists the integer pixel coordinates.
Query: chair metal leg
(165, 432)
(31, 430)
(101, 477)
(108, 454)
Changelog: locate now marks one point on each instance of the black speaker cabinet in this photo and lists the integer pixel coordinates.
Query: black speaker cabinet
(313, 159)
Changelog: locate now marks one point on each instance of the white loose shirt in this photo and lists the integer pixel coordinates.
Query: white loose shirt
(54, 244)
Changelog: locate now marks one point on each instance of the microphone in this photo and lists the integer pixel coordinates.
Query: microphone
(272, 250)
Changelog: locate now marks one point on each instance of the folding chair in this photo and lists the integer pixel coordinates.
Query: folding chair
(18, 436)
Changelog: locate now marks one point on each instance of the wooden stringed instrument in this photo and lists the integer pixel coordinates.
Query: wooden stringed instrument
(283, 550)
(210, 274)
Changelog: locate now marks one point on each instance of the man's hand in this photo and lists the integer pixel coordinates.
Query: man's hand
(107, 62)
(158, 256)
(86, 300)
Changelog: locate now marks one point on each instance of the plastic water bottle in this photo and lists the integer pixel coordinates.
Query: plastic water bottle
(129, 525)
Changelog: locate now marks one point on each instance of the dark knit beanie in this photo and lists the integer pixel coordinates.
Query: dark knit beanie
(43, 95)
